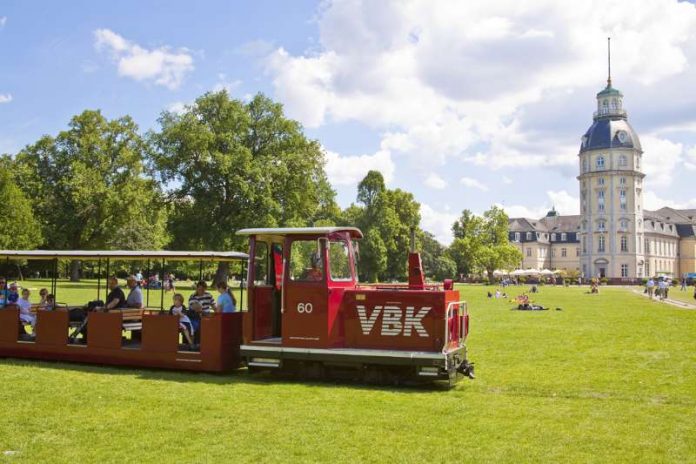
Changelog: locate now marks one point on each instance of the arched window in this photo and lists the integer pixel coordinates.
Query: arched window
(624, 243)
(600, 162)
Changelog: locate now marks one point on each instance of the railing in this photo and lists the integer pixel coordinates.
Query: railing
(459, 305)
(609, 112)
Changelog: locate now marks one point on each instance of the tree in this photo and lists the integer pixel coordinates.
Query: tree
(387, 217)
(235, 165)
(91, 189)
(481, 242)
(19, 229)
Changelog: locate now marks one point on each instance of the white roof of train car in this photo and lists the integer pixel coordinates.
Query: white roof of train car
(126, 255)
(354, 231)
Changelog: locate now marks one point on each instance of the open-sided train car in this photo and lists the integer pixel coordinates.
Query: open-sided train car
(307, 315)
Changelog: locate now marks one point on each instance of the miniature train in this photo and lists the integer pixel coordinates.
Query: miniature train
(307, 316)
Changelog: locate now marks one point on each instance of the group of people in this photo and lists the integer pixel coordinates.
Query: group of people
(657, 289)
(200, 302)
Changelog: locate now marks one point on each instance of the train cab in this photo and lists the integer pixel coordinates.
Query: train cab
(307, 308)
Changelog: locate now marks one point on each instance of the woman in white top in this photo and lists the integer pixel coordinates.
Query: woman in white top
(25, 314)
(178, 309)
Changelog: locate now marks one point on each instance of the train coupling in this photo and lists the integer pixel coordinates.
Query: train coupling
(467, 369)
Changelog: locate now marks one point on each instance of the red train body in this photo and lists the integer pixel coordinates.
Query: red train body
(307, 314)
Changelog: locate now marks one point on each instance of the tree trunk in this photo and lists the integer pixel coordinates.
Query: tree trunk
(75, 267)
(222, 273)
(19, 272)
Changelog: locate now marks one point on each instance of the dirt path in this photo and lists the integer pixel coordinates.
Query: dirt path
(677, 303)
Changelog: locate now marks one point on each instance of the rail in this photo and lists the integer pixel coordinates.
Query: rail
(459, 304)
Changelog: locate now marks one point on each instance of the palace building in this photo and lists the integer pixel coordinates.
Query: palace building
(613, 236)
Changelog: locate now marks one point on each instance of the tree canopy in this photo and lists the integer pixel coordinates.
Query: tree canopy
(230, 164)
(19, 229)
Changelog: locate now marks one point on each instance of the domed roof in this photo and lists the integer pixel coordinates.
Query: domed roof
(610, 133)
(609, 91)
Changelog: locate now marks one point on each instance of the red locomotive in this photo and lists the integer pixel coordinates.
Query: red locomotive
(307, 315)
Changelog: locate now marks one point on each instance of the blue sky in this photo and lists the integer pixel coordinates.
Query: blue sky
(465, 104)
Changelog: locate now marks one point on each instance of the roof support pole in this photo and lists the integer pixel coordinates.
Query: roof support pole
(147, 291)
(55, 279)
(242, 278)
(108, 262)
(200, 270)
(162, 288)
(98, 278)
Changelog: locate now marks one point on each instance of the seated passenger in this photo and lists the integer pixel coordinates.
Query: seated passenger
(50, 304)
(314, 273)
(43, 293)
(25, 314)
(178, 309)
(226, 303)
(194, 314)
(13, 294)
(135, 296)
(116, 298)
(4, 292)
(203, 297)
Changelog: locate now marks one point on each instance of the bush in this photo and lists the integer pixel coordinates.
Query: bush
(522, 279)
(603, 281)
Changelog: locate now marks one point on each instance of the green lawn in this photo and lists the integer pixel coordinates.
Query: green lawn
(609, 378)
(687, 296)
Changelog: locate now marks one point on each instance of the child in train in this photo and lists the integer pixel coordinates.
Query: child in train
(25, 314)
(43, 293)
(13, 295)
(178, 309)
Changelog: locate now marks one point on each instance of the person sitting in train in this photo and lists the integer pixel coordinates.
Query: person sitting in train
(203, 297)
(13, 294)
(226, 302)
(43, 293)
(116, 298)
(178, 309)
(50, 303)
(314, 273)
(4, 292)
(25, 314)
(194, 314)
(135, 296)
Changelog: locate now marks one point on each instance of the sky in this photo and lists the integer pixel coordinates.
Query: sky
(464, 104)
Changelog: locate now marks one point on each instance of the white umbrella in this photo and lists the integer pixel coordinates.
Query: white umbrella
(546, 272)
(531, 272)
(517, 272)
(499, 272)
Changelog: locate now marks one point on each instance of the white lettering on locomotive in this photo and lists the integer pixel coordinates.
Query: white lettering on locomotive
(392, 317)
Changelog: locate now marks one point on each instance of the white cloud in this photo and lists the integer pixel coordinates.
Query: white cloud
(458, 79)
(178, 107)
(435, 182)
(439, 223)
(350, 170)
(161, 65)
(5, 97)
(690, 158)
(651, 201)
(564, 202)
(223, 83)
(660, 159)
(473, 183)
(3, 21)
(506, 180)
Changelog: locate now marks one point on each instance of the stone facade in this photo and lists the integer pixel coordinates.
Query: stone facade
(613, 236)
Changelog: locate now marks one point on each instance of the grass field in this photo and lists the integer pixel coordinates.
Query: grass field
(609, 378)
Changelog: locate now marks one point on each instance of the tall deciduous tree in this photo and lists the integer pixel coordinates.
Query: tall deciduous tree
(19, 229)
(481, 242)
(232, 164)
(91, 189)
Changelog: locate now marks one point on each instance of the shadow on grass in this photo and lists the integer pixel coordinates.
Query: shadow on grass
(236, 377)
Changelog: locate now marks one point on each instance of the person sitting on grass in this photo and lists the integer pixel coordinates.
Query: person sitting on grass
(25, 314)
(178, 309)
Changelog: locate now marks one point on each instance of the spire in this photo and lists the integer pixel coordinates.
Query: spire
(609, 61)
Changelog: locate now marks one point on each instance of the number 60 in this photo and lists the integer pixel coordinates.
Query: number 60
(304, 308)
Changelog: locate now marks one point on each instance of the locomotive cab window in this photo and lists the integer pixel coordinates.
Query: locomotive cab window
(339, 260)
(306, 262)
(261, 263)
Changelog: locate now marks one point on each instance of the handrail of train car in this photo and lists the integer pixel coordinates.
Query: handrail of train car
(447, 311)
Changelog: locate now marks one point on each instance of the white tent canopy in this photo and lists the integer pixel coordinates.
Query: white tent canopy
(547, 272)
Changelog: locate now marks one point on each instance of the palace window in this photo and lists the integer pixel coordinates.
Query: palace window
(624, 270)
(624, 243)
(637, 162)
(564, 237)
(622, 181)
(584, 245)
(622, 199)
(577, 251)
(600, 163)
(529, 235)
(517, 236)
(600, 244)
(553, 252)
(623, 161)
(600, 181)
(601, 226)
(600, 200)
(564, 252)
(529, 252)
(553, 237)
(624, 224)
